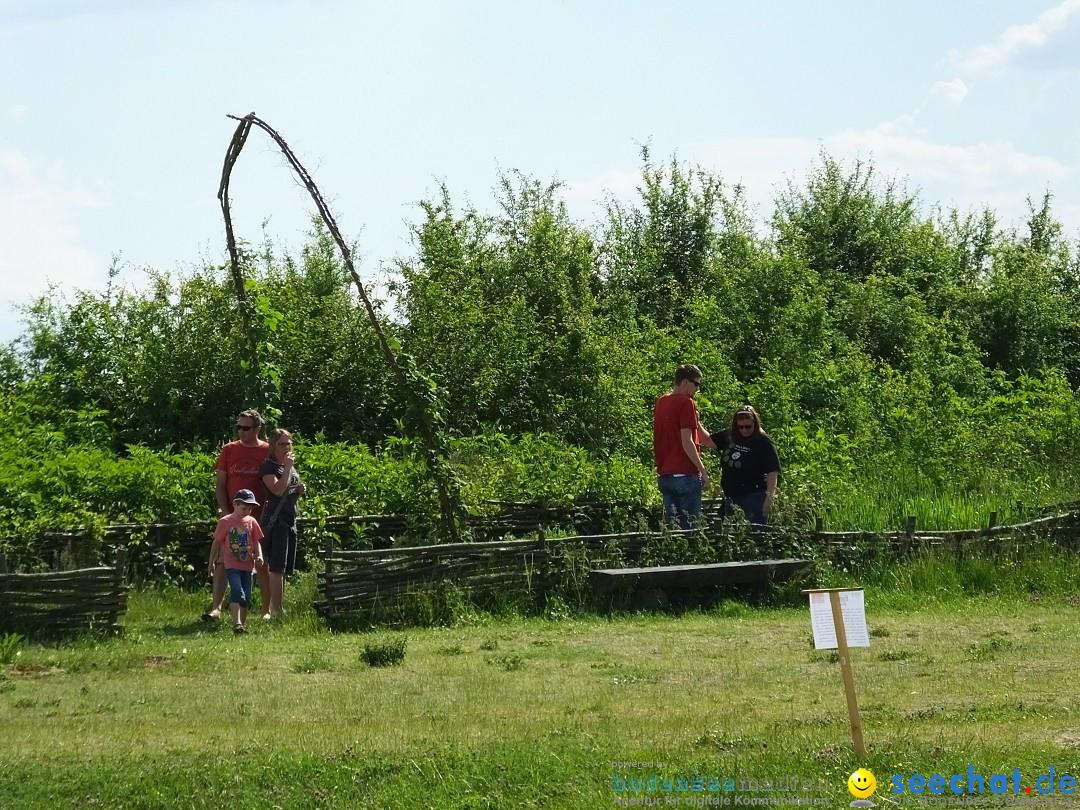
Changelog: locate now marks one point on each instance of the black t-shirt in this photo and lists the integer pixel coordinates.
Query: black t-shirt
(287, 515)
(745, 462)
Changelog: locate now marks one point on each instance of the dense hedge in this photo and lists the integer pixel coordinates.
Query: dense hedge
(898, 352)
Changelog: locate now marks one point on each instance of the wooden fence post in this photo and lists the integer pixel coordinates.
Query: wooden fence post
(543, 552)
(119, 589)
(993, 520)
(5, 611)
(909, 529)
(328, 572)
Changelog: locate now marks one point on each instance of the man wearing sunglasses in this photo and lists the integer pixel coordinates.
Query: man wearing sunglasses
(237, 468)
(680, 473)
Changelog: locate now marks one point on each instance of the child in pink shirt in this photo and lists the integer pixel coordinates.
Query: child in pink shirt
(237, 542)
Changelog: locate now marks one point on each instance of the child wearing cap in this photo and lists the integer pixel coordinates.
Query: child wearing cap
(237, 542)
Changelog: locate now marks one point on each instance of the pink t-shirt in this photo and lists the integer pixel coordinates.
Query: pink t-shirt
(239, 539)
(240, 464)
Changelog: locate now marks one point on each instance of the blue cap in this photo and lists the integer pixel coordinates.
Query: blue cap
(245, 496)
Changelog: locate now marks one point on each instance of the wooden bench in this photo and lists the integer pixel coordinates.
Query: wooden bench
(667, 577)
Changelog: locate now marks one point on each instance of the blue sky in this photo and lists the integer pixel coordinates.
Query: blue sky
(113, 120)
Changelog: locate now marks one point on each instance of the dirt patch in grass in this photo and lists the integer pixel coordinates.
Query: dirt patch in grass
(33, 669)
(1069, 738)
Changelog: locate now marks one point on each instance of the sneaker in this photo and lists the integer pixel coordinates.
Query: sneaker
(239, 629)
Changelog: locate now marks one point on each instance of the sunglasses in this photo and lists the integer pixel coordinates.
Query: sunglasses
(741, 425)
(246, 427)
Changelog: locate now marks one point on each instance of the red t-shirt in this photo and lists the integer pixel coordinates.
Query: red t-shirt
(240, 464)
(672, 413)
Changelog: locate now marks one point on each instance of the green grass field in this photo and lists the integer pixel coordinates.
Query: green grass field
(528, 712)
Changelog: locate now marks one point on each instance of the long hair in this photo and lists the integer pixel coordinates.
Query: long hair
(746, 410)
(275, 434)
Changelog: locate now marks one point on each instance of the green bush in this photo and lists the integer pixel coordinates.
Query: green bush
(9, 647)
(386, 653)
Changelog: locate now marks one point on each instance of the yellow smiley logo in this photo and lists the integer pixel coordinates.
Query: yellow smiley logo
(861, 783)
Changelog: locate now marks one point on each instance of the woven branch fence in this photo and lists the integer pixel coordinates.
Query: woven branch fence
(356, 582)
(190, 540)
(59, 602)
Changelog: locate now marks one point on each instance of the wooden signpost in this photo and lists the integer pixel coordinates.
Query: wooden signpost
(838, 617)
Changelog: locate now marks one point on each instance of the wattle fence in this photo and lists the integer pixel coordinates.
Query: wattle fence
(153, 547)
(61, 602)
(371, 562)
(356, 584)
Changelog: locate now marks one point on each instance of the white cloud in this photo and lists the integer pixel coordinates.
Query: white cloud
(585, 199)
(967, 176)
(1018, 38)
(15, 164)
(970, 168)
(953, 92)
(18, 113)
(38, 208)
(757, 164)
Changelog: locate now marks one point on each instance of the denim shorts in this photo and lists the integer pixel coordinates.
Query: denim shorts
(239, 587)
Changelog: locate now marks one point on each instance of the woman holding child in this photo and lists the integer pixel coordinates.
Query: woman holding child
(284, 488)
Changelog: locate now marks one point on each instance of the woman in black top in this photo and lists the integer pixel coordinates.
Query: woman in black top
(284, 488)
(750, 466)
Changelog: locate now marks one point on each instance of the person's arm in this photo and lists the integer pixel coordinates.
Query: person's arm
(688, 446)
(275, 484)
(255, 536)
(222, 492)
(771, 480)
(706, 437)
(772, 476)
(278, 485)
(215, 553)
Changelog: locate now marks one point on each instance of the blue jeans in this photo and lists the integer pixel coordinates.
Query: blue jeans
(752, 503)
(682, 499)
(239, 587)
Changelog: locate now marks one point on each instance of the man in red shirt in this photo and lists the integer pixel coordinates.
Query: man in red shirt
(237, 468)
(681, 475)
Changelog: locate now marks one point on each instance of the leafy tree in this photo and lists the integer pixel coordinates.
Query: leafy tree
(685, 234)
(500, 309)
(168, 364)
(334, 380)
(1027, 308)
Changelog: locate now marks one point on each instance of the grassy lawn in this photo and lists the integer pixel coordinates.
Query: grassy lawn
(530, 713)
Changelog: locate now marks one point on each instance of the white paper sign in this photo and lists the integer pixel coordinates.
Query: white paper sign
(852, 608)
